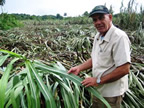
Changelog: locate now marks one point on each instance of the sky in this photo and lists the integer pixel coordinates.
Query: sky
(53, 7)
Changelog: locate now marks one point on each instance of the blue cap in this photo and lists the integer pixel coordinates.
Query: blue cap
(99, 9)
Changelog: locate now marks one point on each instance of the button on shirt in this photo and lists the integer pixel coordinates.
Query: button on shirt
(107, 54)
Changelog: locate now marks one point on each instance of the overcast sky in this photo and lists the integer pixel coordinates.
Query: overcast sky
(52, 7)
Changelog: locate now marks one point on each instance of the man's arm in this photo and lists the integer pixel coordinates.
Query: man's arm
(86, 65)
(116, 74)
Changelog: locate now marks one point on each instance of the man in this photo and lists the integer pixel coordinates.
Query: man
(110, 60)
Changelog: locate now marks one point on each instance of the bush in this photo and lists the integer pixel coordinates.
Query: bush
(8, 21)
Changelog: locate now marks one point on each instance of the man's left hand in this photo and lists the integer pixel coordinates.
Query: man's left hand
(90, 81)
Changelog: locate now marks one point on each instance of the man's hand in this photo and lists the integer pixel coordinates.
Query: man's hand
(77, 69)
(74, 70)
(91, 81)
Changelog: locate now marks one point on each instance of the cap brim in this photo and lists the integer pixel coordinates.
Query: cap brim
(97, 12)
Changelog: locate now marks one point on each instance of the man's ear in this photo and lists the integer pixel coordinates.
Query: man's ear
(110, 16)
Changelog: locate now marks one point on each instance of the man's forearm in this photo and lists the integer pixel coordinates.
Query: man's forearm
(86, 65)
(116, 74)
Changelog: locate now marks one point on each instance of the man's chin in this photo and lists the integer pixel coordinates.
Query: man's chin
(102, 32)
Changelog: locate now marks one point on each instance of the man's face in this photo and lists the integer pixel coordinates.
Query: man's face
(102, 22)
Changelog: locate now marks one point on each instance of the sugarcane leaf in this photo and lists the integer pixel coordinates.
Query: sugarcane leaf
(3, 59)
(138, 83)
(15, 80)
(45, 91)
(22, 97)
(72, 77)
(27, 92)
(68, 91)
(76, 93)
(66, 98)
(35, 100)
(3, 82)
(12, 54)
(13, 99)
(132, 100)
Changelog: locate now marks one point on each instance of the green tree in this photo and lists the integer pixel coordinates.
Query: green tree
(2, 2)
(58, 16)
(111, 9)
(86, 13)
(65, 14)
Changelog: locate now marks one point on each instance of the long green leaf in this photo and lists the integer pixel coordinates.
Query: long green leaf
(33, 88)
(76, 93)
(12, 54)
(45, 91)
(132, 100)
(68, 91)
(138, 83)
(27, 92)
(3, 82)
(13, 93)
(13, 99)
(3, 59)
(66, 98)
(72, 77)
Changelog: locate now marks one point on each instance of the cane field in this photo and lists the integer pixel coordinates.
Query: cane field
(37, 51)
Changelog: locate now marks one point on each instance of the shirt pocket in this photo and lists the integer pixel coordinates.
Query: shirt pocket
(105, 59)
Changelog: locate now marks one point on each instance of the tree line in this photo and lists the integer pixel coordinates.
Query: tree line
(36, 17)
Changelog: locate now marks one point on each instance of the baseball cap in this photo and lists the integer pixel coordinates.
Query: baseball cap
(99, 9)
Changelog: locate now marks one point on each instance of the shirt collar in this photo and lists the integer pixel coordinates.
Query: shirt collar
(107, 35)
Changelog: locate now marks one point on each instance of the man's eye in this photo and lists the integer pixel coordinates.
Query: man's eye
(101, 17)
(94, 20)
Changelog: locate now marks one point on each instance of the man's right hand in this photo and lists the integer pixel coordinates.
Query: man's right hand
(86, 65)
(74, 70)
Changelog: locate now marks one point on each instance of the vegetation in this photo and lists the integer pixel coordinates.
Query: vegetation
(128, 18)
(34, 17)
(8, 21)
(34, 84)
(35, 59)
(70, 44)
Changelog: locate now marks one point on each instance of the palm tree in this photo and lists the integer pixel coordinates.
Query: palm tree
(2, 2)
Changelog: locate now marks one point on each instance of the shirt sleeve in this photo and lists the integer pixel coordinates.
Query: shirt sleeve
(121, 51)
